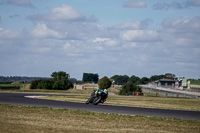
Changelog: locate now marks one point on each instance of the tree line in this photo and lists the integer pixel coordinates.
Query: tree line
(61, 81)
(10, 79)
(122, 79)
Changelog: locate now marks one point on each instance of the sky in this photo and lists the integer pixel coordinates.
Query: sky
(108, 37)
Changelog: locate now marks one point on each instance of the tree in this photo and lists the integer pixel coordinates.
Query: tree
(156, 77)
(119, 79)
(134, 79)
(90, 77)
(167, 76)
(144, 80)
(170, 76)
(60, 75)
(104, 83)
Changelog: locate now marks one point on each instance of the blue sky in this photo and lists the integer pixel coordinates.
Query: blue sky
(108, 37)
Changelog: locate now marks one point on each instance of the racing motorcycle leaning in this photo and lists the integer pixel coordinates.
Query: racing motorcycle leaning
(98, 96)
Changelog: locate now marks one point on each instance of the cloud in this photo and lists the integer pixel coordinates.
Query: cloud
(65, 39)
(65, 20)
(42, 31)
(183, 25)
(8, 34)
(133, 25)
(193, 3)
(63, 13)
(181, 36)
(166, 6)
(176, 5)
(135, 4)
(140, 35)
(108, 42)
(23, 3)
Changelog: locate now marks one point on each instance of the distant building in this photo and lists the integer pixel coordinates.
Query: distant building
(169, 83)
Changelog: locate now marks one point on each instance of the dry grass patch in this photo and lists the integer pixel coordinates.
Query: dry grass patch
(36, 119)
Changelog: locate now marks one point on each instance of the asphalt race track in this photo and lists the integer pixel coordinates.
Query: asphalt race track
(20, 99)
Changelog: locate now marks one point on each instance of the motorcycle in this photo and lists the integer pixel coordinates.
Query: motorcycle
(98, 96)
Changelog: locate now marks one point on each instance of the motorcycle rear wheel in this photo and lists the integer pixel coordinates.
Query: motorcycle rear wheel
(97, 100)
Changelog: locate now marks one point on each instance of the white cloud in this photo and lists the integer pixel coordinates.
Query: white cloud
(140, 35)
(184, 24)
(64, 35)
(43, 49)
(67, 46)
(183, 31)
(111, 42)
(135, 4)
(108, 42)
(134, 25)
(63, 13)
(8, 34)
(129, 45)
(42, 31)
(99, 40)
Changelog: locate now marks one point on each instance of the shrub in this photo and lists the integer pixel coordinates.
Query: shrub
(104, 83)
(130, 89)
(34, 84)
(59, 81)
(10, 87)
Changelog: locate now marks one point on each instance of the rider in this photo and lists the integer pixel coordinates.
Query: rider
(95, 94)
(98, 91)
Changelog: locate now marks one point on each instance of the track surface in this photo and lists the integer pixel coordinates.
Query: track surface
(20, 99)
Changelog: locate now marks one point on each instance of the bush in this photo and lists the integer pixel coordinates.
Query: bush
(62, 85)
(45, 84)
(10, 87)
(104, 83)
(130, 89)
(51, 84)
(34, 84)
(59, 81)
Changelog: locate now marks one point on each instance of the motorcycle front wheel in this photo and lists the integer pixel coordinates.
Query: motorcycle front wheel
(90, 100)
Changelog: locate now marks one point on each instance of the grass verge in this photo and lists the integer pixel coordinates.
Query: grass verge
(22, 119)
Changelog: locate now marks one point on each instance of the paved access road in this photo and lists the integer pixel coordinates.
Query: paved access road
(20, 99)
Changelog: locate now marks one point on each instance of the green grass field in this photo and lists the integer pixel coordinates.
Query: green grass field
(22, 119)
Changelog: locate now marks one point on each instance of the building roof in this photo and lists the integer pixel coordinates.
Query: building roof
(171, 80)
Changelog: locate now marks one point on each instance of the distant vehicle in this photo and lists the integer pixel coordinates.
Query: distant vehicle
(98, 96)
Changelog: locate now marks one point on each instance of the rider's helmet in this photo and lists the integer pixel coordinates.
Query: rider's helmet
(106, 91)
